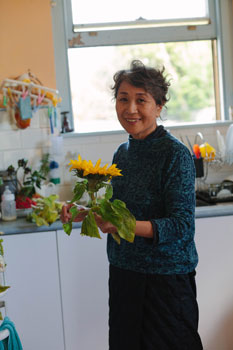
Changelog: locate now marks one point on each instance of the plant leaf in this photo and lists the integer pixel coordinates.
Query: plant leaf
(79, 190)
(128, 222)
(3, 288)
(116, 237)
(39, 220)
(67, 227)
(109, 191)
(108, 214)
(74, 211)
(89, 226)
(117, 213)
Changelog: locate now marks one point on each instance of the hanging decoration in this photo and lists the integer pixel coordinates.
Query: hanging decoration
(26, 94)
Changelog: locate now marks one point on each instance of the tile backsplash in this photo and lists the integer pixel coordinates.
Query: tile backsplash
(32, 142)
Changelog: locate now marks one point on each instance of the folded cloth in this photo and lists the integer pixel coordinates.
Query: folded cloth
(12, 342)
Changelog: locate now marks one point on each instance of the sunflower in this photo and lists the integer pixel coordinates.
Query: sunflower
(84, 168)
(94, 178)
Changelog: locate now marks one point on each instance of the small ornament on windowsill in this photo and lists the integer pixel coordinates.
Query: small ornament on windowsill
(65, 123)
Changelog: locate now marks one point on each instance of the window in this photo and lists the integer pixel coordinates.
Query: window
(181, 37)
(108, 13)
(188, 65)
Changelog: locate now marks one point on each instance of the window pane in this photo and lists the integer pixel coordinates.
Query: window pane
(188, 65)
(103, 11)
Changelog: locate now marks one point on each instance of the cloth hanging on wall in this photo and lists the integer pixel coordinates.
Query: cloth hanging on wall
(12, 342)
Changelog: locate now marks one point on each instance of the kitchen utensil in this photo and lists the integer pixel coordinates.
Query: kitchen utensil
(229, 145)
(221, 144)
(214, 189)
(196, 150)
(198, 162)
(207, 151)
(190, 146)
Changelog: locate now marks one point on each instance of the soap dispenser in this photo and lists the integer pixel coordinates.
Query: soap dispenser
(8, 205)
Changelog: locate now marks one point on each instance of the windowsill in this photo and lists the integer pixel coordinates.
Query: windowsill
(172, 127)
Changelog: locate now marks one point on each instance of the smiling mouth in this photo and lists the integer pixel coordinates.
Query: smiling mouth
(132, 120)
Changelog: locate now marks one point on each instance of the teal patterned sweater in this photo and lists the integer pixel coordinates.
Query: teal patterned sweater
(158, 184)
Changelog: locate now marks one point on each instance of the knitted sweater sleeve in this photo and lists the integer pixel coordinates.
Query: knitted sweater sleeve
(178, 193)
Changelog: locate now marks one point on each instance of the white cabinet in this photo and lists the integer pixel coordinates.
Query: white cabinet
(84, 285)
(58, 298)
(214, 239)
(33, 302)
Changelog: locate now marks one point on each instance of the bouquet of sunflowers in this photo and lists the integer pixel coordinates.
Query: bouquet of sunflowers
(91, 178)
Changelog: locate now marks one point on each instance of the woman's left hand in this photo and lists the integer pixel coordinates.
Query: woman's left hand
(105, 226)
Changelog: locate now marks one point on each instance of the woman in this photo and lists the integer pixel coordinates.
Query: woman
(152, 292)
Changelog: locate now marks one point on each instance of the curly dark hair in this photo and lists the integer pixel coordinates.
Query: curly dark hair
(148, 78)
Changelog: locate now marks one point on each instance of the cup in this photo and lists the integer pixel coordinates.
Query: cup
(198, 162)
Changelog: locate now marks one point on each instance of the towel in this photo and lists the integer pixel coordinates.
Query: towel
(12, 342)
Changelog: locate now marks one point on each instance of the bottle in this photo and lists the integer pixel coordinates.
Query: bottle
(56, 152)
(8, 205)
(54, 172)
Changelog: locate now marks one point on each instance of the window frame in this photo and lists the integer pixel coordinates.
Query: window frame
(219, 29)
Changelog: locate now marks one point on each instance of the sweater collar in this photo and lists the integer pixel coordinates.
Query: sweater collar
(157, 133)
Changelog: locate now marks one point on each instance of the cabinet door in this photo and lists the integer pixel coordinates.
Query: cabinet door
(84, 284)
(214, 240)
(33, 302)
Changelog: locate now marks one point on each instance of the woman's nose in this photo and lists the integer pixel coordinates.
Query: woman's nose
(132, 107)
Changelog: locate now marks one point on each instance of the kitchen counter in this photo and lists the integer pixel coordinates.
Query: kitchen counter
(225, 209)
(21, 225)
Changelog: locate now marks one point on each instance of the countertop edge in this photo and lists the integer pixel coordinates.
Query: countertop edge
(21, 225)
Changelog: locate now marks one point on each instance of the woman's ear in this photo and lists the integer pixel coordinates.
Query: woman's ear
(158, 110)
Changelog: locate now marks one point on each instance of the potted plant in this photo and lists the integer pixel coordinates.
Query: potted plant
(28, 181)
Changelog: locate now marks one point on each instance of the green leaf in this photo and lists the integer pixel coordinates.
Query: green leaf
(79, 190)
(49, 201)
(51, 216)
(39, 220)
(3, 288)
(109, 191)
(67, 227)
(108, 214)
(47, 210)
(89, 226)
(117, 213)
(58, 206)
(128, 222)
(74, 211)
(1, 248)
(116, 237)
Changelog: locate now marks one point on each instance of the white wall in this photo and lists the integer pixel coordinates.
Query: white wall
(32, 142)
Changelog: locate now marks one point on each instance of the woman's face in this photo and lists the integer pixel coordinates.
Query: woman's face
(136, 110)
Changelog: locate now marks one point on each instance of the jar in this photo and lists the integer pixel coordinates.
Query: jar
(8, 205)
(7, 180)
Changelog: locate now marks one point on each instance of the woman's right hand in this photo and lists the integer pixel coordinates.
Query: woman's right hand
(66, 214)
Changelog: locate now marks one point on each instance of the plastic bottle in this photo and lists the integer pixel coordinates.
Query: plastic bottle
(54, 172)
(56, 153)
(8, 205)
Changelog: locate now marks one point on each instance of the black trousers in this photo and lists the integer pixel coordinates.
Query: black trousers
(152, 312)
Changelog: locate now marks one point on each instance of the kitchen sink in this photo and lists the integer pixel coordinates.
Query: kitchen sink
(204, 199)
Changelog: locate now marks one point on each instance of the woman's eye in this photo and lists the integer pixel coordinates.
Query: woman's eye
(141, 100)
(123, 99)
